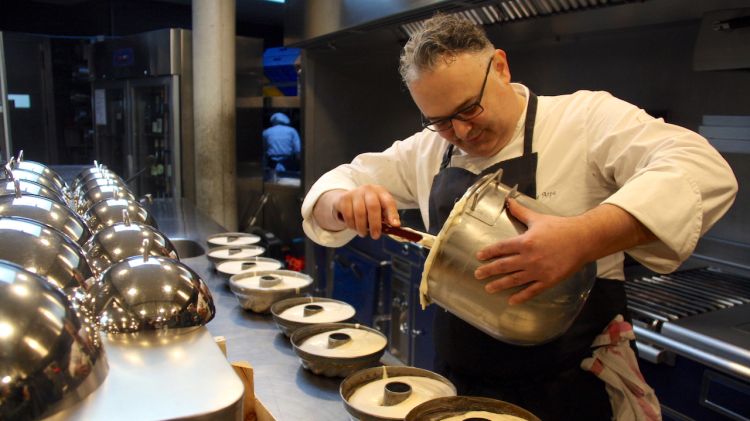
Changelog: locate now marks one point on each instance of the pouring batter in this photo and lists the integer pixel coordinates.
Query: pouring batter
(622, 180)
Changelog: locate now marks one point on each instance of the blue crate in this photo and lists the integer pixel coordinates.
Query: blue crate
(278, 65)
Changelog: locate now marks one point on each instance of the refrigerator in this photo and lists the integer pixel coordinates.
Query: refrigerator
(142, 103)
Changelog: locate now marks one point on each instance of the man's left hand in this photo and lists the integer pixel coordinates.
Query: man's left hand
(551, 250)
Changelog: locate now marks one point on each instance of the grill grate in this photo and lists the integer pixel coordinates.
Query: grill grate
(664, 298)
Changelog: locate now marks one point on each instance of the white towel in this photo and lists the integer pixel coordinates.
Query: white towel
(615, 363)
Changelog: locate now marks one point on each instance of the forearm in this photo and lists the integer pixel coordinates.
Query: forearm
(609, 229)
(324, 212)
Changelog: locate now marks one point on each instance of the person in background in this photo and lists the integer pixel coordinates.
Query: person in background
(619, 179)
(282, 145)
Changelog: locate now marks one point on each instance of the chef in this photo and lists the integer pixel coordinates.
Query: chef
(621, 180)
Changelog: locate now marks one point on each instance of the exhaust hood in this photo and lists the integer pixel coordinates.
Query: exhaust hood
(723, 41)
(311, 22)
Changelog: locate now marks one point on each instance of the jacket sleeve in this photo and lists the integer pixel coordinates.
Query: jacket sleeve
(668, 177)
(393, 169)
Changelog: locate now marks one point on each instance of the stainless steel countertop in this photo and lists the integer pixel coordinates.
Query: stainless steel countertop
(289, 391)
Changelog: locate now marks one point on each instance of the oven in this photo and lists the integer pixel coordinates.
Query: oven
(693, 326)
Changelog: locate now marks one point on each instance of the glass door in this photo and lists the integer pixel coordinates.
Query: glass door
(153, 136)
(111, 147)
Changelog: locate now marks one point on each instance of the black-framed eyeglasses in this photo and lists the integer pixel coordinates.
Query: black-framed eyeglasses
(464, 114)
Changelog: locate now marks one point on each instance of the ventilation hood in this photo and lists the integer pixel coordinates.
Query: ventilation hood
(314, 22)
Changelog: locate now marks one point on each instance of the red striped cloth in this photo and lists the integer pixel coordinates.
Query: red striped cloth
(615, 363)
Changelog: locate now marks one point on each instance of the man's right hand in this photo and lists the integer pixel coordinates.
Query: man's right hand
(362, 209)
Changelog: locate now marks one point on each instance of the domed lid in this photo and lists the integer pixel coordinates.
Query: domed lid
(150, 293)
(87, 199)
(11, 187)
(125, 239)
(109, 212)
(49, 358)
(44, 251)
(48, 212)
(41, 169)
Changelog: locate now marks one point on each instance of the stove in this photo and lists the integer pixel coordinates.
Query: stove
(693, 338)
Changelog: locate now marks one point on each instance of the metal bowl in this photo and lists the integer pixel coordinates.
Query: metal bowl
(150, 293)
(454, 406)
(232, 239)
(359, 379)
(42, 169)
(477, 220)
(48, 212)
(258, 290)
(50, 359)
(120, 241)
(109, 212)
(334, 366)
(86, 200)
(313, 310)
(251, 264)
(9, 188)
(44, 251)
(221, 254)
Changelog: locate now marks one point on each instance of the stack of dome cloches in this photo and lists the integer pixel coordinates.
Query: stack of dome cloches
(77, 260)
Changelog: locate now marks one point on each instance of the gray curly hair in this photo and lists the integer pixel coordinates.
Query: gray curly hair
(442, 37)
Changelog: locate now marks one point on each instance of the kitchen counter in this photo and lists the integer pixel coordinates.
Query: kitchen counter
(289, 391)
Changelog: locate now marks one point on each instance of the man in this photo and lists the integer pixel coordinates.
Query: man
(620, 179)
(282, 145)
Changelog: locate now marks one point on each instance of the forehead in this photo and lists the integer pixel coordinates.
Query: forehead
(449, 84)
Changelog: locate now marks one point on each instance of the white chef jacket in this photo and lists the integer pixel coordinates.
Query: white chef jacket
(592, 148)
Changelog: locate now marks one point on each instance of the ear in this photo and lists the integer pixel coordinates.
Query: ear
(501, 65)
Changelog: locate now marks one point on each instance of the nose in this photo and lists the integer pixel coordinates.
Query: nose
(462, 129)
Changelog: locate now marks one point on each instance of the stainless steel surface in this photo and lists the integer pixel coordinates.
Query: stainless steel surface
(455, 406)
(289, 326)
(109, 212)
(307, 21)
(158, 377)
(290, 392)
(362, 377)
(187, 248)
(44, 251)
(48, 212)
(50, 358)
(119, 241)
(333, 366)
(261, 298)
(482, 221)
(81, 189)
(150, 293)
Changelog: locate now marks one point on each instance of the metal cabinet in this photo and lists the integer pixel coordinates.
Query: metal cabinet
(410, 336)
(360, 279)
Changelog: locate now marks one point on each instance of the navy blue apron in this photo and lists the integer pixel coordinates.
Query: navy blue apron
(545, 379)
